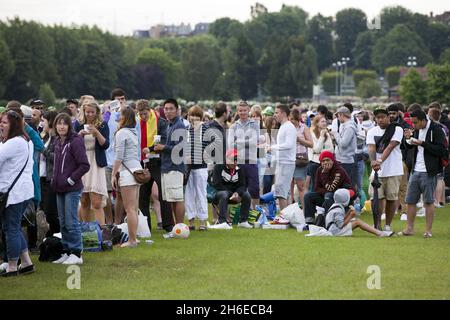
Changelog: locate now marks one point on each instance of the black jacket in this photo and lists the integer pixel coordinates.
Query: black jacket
(434, 149)
(223, 181)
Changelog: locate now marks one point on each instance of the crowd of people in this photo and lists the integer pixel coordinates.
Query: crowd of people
(79, 164)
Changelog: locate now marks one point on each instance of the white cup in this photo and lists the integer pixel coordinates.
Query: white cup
(86, 128)
(156, 139)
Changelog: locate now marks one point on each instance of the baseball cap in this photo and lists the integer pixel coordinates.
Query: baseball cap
(380, 110)
(268, 111)
(37, 102)
(75, 101)
(343, 110)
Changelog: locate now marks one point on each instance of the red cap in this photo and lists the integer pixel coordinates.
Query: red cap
(352, 193)
(326, 154)
(231, 153)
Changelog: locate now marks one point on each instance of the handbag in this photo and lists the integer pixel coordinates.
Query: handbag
(301, 160)
(4, 196)
(141, 175)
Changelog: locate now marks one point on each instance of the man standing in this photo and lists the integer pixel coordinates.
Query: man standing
(395, 116)
(152, 130)
(37, 104)
(285, 152)
(386, 158)
(428, 143)
(172, 165)
(216, 132)
(346, 144)
(243, 136)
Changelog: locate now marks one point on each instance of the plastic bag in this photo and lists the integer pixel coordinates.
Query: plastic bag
(294, 214)
(143, 231)
(92, 236)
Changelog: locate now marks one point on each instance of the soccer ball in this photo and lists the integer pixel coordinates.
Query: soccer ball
(181, 231)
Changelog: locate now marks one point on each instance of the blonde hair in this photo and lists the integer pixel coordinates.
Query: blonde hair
(98, 117)
(315, 126)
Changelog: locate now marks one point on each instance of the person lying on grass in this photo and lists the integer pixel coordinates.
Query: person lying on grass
(340, 223)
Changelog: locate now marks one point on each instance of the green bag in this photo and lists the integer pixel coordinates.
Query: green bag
(235, 214)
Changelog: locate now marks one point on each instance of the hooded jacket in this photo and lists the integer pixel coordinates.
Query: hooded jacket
(70, 162)
(332, 180)
(346, 142)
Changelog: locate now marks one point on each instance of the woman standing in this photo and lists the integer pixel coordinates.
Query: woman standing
(196, 201)
(16, 160)
(270, 140)
(304, 141)
(95, 133)
(321, 142)
(70, 164)
(126, 162)
(46, 173)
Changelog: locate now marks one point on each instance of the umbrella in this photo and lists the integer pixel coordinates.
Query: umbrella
(375, 184)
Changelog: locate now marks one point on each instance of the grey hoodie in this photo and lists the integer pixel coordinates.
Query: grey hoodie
(334, 220)
(346, 142)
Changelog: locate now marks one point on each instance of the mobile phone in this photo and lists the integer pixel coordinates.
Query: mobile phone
(114, 105)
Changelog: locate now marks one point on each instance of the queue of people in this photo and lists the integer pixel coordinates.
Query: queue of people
(79, 164)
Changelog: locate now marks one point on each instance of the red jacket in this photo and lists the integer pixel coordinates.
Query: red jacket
(332, 180)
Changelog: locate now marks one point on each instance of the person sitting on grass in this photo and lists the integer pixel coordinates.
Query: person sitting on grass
(330, 176)
(341, 223)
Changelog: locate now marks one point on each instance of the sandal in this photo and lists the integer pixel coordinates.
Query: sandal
(129, 245)
(427, 235)
(191, 228)
(403, 233)
(202, 228)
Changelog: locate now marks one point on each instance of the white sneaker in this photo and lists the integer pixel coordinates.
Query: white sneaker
(387, 234)
(168, 235)
(245, 225)
(63, 258)
(383, 216)
(3, 266)
(387, 228)
(73, 259)
(404, 217)
(220, 226)
(421, 213)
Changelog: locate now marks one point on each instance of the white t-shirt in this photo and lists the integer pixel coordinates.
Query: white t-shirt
(420, 160)
(393, 165)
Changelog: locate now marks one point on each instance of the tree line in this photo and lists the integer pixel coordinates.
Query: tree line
(277, 54)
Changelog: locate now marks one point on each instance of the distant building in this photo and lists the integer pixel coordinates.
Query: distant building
(160, 31)
(141, 33)
(200, 28)
(443, 18)
(257, 10)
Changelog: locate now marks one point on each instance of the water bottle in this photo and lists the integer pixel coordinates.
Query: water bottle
(357, 206)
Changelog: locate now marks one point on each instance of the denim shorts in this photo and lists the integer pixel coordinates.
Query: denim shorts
(420, 183)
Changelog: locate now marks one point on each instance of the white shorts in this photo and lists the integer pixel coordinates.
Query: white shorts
(172, 186)
(127, 179)
(346, 231)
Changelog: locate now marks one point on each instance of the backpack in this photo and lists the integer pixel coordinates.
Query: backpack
(50, 249)
(444, 160)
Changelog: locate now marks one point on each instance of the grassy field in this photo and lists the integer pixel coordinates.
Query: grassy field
(255, 264)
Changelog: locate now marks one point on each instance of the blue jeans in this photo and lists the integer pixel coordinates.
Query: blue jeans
(12, 227)
(360, 167)
(68, 220)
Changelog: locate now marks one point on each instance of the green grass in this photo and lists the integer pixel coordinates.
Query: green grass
(255, 264)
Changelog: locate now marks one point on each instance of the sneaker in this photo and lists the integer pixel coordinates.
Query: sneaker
(73, 259)
(309, 220)
(387, 234)
(159, 226)
(168, 235)
(438, 205)
(387, 228)
(245, 225)
(221, 226)
(403, 217)
(421, 213)
(3, 266)
(63, 258)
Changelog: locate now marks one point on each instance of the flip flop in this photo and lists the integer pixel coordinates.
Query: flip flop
(402, 233)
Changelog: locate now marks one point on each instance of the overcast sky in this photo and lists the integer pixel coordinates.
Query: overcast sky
(123, 16)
